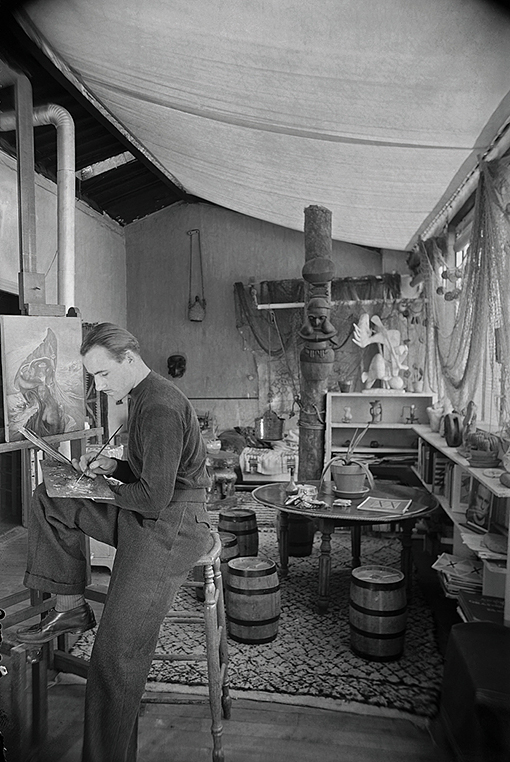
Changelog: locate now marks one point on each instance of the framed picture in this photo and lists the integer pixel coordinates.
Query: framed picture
(478, 512)
(42, 375)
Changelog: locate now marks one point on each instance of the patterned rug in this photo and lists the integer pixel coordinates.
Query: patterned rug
(311, 655)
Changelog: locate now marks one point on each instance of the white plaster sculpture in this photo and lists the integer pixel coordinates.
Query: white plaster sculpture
(386, 365)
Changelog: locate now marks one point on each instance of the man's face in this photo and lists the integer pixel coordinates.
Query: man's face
(114, 378)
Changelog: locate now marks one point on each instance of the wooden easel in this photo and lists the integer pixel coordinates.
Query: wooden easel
(29, 708)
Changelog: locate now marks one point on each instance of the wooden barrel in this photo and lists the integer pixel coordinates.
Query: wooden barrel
(229, 550)
(378, 612)
(243, 523)
(301, 533)
(252, 600)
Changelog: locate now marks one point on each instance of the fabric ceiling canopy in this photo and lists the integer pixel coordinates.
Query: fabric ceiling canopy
(375, 109)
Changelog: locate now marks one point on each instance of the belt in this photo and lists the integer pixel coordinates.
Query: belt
(189, 495)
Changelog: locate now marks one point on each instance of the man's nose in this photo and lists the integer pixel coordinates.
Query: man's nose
(100, 384)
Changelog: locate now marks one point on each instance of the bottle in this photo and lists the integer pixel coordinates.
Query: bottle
(291, 487)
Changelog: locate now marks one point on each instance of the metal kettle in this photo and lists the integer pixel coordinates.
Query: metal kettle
(269, 427)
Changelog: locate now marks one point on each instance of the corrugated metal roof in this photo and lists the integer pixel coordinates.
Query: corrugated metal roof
(125, 193)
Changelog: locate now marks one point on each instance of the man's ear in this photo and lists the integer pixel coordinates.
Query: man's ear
(129, 355)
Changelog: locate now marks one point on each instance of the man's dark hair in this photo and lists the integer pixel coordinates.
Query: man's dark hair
(117, 341)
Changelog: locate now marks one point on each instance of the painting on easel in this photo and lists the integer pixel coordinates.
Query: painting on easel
(42, 370)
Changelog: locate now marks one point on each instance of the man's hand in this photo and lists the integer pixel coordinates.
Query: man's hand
(92, 465)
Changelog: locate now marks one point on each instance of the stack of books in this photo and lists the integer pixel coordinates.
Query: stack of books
(458, 574)
(474, 607)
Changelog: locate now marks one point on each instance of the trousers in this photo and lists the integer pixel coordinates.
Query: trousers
(152, 560)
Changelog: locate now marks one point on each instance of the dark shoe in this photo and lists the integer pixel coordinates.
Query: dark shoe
(78, 620)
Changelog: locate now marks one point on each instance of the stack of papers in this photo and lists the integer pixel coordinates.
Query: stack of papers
(385, 505)
(456, 574)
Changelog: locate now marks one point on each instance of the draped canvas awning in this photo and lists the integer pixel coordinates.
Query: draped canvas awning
(376, 110)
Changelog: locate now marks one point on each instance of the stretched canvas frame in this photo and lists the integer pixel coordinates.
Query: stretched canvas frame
(478, 513)
(42, 371)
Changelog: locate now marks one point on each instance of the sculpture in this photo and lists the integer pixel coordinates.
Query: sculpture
(386, 365)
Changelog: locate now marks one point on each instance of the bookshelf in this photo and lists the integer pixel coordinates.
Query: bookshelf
(392, 434)
(450, 477)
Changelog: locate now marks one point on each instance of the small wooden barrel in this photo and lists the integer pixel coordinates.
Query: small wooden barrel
(301, 533)
(252, 600)
(378, 612)
(229, 550)
(243, 523)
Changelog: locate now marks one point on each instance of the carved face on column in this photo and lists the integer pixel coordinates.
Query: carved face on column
(317, 326)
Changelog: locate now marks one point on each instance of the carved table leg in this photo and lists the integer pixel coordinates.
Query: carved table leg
(406, 558)
(356, 545)
(283, 543)
(326, 528)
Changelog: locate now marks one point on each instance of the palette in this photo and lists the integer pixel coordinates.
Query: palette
(61, 480)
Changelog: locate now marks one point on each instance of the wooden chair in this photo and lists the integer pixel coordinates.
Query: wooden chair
(29, 699)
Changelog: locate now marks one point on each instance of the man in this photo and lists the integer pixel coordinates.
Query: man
(158, 523)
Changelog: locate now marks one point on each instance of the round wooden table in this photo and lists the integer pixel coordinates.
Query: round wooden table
(328, 517)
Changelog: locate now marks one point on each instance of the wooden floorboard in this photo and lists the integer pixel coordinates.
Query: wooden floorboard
(256, 732)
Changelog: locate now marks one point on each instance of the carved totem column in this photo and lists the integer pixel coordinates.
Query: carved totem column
(319, 335)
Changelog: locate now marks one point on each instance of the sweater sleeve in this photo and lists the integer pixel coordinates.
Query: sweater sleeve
(160, 437)
(123, 471)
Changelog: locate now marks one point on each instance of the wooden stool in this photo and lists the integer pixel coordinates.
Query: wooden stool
(29, 713)
(216, 653)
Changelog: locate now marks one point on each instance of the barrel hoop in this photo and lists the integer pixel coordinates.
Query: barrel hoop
(372, 612)
(251, 572)
(248, 516)
(253, 622)
(260, 591)
(377, 586)
(241, 532)
(378, 635)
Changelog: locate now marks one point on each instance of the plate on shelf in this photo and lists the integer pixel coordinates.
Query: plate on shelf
(351, 495)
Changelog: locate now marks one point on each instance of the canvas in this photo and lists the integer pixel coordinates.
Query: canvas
(42, 370)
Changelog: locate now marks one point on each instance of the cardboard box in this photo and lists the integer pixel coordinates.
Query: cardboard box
(493, 579)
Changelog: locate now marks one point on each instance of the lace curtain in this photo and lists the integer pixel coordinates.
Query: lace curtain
(468, 339)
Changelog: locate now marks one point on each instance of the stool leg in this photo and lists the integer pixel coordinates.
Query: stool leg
(221, 621)
(20, 709)
(40, 696)
(213, 661)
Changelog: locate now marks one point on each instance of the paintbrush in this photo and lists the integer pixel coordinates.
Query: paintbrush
(100, 451)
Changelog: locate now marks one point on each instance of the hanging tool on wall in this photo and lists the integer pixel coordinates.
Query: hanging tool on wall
(196, 306)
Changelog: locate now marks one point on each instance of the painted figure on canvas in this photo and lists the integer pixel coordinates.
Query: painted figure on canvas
(43, 387)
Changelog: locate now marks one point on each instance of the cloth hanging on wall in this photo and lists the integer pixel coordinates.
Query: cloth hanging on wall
(279, 370)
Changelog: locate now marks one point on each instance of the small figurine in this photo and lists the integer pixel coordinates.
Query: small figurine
(347, 415)
(376, 411)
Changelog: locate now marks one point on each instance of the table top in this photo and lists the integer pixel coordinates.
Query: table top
(423, 502)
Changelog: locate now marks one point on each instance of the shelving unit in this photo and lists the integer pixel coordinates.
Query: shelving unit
(449, 476)
(394, 434)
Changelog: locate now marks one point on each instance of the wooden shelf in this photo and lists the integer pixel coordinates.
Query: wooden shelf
(375, 450)
(460, 467)
(53, 439)
(357, 425)
(439, 443)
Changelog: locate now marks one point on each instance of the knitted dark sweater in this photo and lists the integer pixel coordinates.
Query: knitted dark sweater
(165, 448)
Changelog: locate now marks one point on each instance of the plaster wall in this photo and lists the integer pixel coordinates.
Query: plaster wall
(221, 374)
(100, 249)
